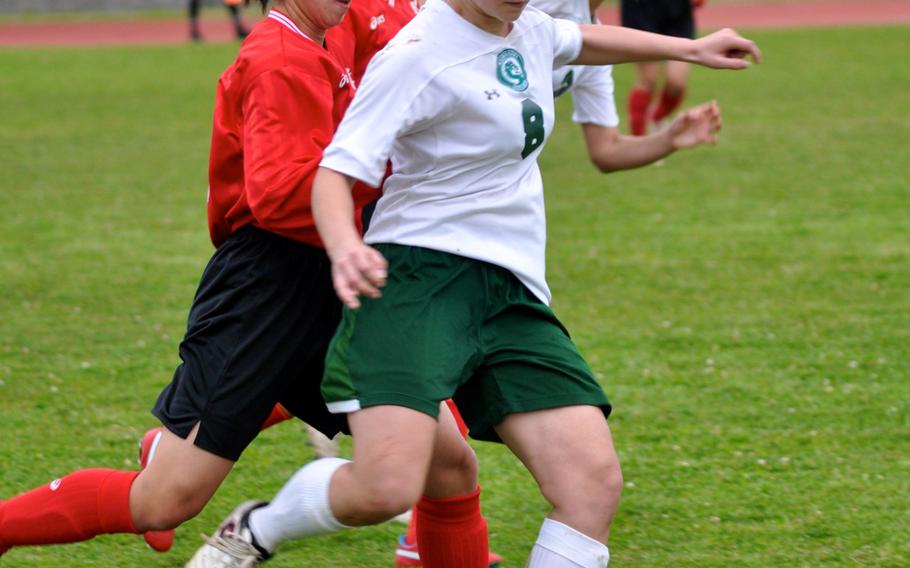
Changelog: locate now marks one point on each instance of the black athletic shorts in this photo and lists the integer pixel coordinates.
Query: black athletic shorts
(257, 334)
(667, 17)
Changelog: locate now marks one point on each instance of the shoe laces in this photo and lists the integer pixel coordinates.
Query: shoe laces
(235, 547)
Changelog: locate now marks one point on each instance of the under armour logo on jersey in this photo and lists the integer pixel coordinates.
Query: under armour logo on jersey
(494, 94)
(375, 21)
(55, 484)
(347, 78)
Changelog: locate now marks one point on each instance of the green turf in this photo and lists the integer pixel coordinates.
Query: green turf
(747, 307)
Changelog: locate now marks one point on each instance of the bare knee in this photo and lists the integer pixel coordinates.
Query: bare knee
(452, 472)
(165, 504)
(675, 89)
(587, 498)
(592, 485)
(386, 496)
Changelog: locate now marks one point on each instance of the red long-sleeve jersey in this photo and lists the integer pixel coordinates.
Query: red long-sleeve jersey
(276, 109)
(367, 27)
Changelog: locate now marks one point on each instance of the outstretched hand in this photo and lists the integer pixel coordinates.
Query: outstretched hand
(695, 126)
(358, 269)
(725, 49)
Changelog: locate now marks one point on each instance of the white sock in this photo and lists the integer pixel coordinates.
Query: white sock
(561, 546)
(301, 508)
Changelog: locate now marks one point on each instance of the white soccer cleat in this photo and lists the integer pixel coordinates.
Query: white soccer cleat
(404, 518)
(324, 446)
(233, 544)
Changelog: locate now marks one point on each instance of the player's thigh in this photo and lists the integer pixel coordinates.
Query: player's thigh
(559, 444)
(392, 448)
(569, 451)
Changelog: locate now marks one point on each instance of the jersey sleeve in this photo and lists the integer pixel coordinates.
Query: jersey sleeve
(593, 97)
(287, 123)
(566, 42)
(390, 102)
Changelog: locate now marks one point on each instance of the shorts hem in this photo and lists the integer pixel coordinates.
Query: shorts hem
(484, 429)
(343, 406)
(211, 435)
(425, 406)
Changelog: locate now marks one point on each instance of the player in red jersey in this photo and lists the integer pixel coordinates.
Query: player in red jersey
(370, 24)
(264, 311)
(366, 29)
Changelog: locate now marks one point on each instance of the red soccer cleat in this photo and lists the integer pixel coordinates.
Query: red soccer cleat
(3, 549)
(407, 555)
(159, 541)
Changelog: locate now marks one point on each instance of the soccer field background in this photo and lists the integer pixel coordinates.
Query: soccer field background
(746, 307)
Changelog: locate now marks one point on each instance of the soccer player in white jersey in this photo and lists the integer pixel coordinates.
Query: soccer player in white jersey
(592, 91)
(452, 301)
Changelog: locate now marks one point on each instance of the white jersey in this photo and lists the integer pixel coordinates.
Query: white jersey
(463, 115)
(591, 85)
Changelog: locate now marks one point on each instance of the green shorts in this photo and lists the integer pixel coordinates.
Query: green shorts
(453, 327)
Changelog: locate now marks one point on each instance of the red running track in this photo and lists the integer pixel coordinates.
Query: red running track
(808, 13)
(811, 13)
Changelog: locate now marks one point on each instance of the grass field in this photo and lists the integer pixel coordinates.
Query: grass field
(747, 307)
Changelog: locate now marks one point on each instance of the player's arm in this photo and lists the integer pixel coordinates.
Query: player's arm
(288, 121)
(612, 151)
(360, 150)
(605, 45)
(356, 268)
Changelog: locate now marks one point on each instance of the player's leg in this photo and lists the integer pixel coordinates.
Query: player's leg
(404, 363)
(407, 552)
(260, 325)
(193, 9)
(674, 91)
(177, 484)
(643, 16)
(209, 436)
(392, 454)
(393, 461)
(233, 8)
(450, 527)
(390, 376)
(640, 95)
(570, 453)
(535, 392)
(677, 20)
(163, 540)
(86, 503)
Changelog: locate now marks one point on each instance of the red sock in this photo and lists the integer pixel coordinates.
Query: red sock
(639, 100)
(76, 507)
(410, 537)
(279, 414)
(462, 427)
(668, 103)
(452, 532)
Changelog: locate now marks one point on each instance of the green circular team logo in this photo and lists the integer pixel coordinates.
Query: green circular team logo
(510, 70)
